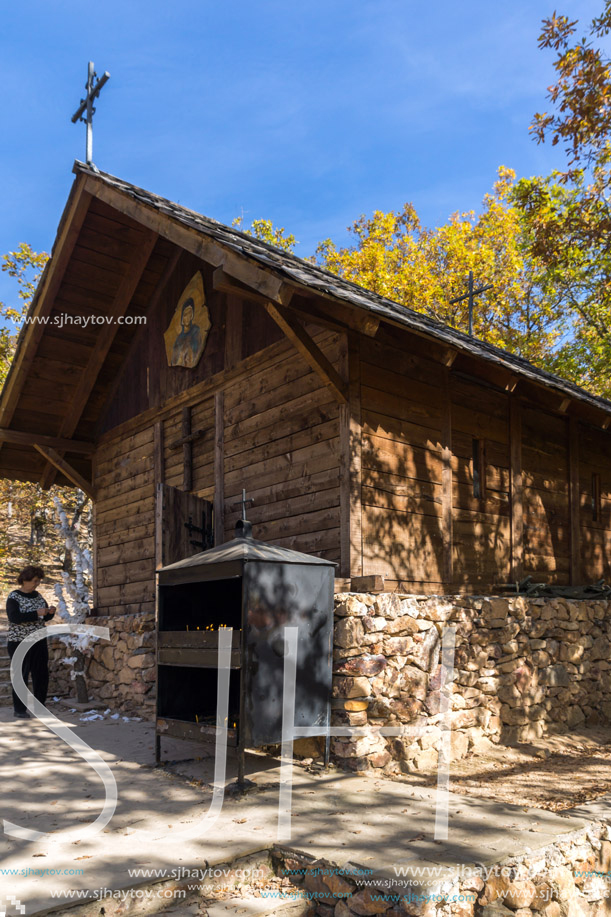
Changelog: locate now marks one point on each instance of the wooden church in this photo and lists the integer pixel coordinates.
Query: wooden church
(169, 362)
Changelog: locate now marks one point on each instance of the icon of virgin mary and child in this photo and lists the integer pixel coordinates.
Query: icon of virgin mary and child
(186, 336)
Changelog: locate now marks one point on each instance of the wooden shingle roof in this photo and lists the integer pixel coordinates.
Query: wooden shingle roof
(311, 276)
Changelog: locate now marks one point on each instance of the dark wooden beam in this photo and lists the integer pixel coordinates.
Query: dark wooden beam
(55, 442)
(330, 313)
(120, 305)
(351, 532)
(158, 453)
(187, 450)
(219, 468)
(311, 353)
(193, 240)
(515, 473)
(188, 438)
(574, 501)
(55, 459)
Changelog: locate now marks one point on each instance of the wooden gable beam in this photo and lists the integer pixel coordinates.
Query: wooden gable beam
(70, 227)
(311, 353)
(150, 309)
(224, 282)
(55, 459)
(194, 241)
(107, 334)
(32, 439)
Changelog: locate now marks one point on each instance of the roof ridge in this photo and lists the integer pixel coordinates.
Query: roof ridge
(312, 275)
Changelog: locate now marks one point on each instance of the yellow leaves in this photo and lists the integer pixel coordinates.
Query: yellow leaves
(265, 231)
(422, 269)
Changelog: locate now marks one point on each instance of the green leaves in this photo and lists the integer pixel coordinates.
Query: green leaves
(567, 215)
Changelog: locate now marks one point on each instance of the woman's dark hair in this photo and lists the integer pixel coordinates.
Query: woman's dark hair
(30, 573)
(188, 304)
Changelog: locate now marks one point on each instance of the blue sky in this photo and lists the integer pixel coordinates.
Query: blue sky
(308, 113)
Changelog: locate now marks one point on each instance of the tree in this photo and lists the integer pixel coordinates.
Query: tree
(26, 266)
(265, 231)
(73, 596)
(423, 269)
(566, 215)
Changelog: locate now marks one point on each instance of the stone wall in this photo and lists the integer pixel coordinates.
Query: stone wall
(570, 877)
(121, 673)
(522, 668)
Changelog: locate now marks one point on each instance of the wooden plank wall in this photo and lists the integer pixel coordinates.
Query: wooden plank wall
(416, 419)
(482, 525)
(276, 430)
(594, 534)
(545, 479)
(402, 416)
(280, 429)
(125, 524)
(281, 442)
(202, 418)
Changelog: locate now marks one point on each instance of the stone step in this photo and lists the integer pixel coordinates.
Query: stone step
(197, 907)
(256, 907)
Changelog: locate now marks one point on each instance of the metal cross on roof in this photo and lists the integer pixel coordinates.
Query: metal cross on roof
(245, 502)
(87, 105)
(470, 295)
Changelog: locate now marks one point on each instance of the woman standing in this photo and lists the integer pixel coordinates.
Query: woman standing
(27, 612)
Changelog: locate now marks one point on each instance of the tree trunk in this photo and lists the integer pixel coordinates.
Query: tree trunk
(80, 682)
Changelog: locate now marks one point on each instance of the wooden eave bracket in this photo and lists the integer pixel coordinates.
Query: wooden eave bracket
(55, 459)
(311, 353)
(512, 383)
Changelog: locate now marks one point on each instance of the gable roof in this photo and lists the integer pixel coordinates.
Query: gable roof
(60, 379)
(312, 277)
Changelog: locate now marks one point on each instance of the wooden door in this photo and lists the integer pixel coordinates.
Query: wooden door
(183, 525)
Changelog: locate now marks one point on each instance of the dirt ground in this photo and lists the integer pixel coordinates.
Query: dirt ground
(558, 773)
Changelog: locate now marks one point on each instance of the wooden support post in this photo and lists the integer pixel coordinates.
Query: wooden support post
(311, 353)
(55, 459)
(158, 453)
(351, 534)
(447, 524)
(517, 505)
(187, 450)
(219, 468)
(574, 501)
